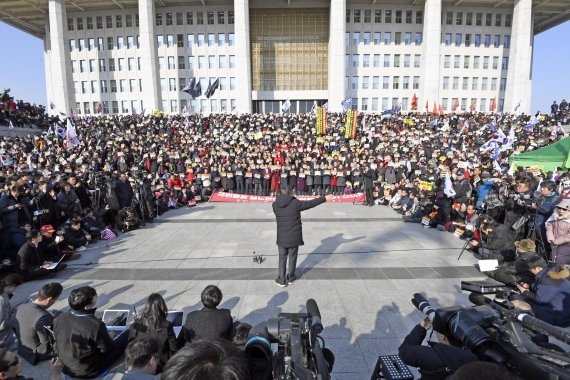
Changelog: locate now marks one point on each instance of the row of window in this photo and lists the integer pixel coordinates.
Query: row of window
(135, 106)
(387, 62)
(135, 85)
(131, 42)
(170, 18)
(474, 83)
(447, 39)
(476, 64)
(468, 19)
(171, 63)
(465, 104)
(387, 16)
(386, 84)
(376, 38)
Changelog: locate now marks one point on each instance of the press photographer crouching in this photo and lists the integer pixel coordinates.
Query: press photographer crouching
(436, 361)
(515, 268)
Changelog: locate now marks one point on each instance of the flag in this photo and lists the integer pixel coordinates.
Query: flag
(440, 110)
(455, 105)
(448, 189)
(50, 131)
(71, 136)
(427, 106)
(60, 131)
(100, 108)
(212, 88)
(324, 117)
(11, 126)
(493, 125)
(414, 102)
(433, 123)
(517, 106)
(346, 104)
(555, 174)
(434, 112)
(496, 166)
(511, 171)
(184, 110)
(6, 161)
(473, 105)
(509, 140)
(286, 106)
(496, 151)
(531, 124)
(188, 88)
(107, 234)
(314, 107)
(29, 162)
(196, 89)
(494, 104)
(318, 121)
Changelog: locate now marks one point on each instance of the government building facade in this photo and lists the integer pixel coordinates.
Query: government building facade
(125, 56)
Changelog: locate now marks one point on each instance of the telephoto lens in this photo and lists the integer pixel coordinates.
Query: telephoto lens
(423, 305)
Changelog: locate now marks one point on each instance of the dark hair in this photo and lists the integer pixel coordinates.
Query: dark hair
(483, 370)
(4, 364)
(51, 290)
(154, 312)
(211, 296)
(207, 360)
(548, 184)
(240, 333)
(75, 221)
(286, 190)
(138, 353)
(32, 234)
(13, 279)
(535, 262)
(81, 297)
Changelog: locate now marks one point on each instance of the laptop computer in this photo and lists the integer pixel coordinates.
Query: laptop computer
(176, 318)
(116, 322)
(55, 265)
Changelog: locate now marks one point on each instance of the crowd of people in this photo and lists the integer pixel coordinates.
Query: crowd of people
(449, 172)
(20, 114)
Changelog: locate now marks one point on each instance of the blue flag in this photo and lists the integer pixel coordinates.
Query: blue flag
(188, 88)
(346, 103)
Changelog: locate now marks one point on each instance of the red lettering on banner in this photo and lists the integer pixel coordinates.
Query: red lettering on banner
(245, 198)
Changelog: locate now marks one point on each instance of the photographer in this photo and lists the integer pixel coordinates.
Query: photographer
(549, 295)
(15, 214)
(436, 361)
(497, 239)
(517, 271)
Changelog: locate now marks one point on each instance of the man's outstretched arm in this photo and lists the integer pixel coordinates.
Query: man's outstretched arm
(305, 205)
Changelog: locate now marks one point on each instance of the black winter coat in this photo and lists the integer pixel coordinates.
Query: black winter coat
(207, 324)
(124, 193)
(500, 239)
(287, 210)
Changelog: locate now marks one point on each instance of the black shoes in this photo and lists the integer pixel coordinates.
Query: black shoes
(280, 284)
(291, 279)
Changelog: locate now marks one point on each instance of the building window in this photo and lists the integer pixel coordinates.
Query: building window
(376, 60)
(71, 45)
(495, 63)
(445, 83)
(211, 61)
(180, 40)
(121, 64)
(478, 19)
(476, 62)
(493, 84)
(191, 64)
(232, 59)
(355, 58)
(375, 83)
(118, 21)
(384, 103)
(458, 39)
(466, 60)
(467, 40)
(201, 62)
(171, 65)
(210, 18)
(190, 40)
(398, 17)
(179, 18)
(418, 38)
(497, 41)
(398, 38)
(456, 60)
(99, 22)
(387, 60)
(86, 108)
(487, 40)
(129, 21)
(131, 64)
(408, 38)
(474, 83)
(170, 40)
(189, 18)
(447, 40)
(356, 18)
(109, 22)
(102, 65)
(507, 42)
(172, 84)
(110, 43)
(446, 60)
(396, 60)
(455, 85)
(505, 64)
(459, 18)
(477, 40)
(388, 17)
(419, 17)
(84, 87)
(101, 43)
(376, 38)
(449, 18)
(130, 42)
(498, 19)
(70, 25)
(199, 18)
(222, 61)
(406, 83)
(111, 64)
(485, 63)
(508, 20)
(82, 66)
(417, 60)
(366, 60)
(488, 19)
(211, 40)
(385, 83)
(81, 44)
(367, 16)
(230, 17)
(355, 38)
(169, 19)
(73, 67)
(387, 38)
(365, 80)
(221, 17)
(409, 16)
(158, 19)
(366, 38)
(223, 84)
(503, 84)
(484, 84)
(120, 42)
(181, 63)
(377, 16)
(465, 83)
(79, 23)
(132, 85)
(469, 19)
(125, 106)
(232, 83)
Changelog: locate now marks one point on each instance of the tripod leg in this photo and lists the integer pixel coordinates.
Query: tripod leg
(463, 249)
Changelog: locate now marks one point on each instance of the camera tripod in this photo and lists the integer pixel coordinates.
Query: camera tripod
(535, 234)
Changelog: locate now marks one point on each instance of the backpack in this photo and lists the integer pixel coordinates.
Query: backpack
(131, 220)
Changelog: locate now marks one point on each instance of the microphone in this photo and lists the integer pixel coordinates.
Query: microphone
(313, 311)
(479, 299)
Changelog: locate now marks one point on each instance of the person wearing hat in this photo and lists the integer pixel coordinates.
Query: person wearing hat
(558, 232)
(462, 187)
(513, 272)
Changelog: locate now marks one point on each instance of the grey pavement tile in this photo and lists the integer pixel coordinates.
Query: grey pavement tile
(450, 272)
(342, 273)
(397, 273)
(423, 272)
(370, 273)
(313, 273)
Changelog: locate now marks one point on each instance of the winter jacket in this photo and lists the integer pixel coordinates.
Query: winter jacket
(501, 238)
(462, 191)
(549, 296)
(287, 210)
(8, 324)
(11, 216)
(558, 235)
(483, 189)
(68, 202)
(124, 193)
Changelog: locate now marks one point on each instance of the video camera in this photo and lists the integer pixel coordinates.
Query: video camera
(496, 332)
(299, 354)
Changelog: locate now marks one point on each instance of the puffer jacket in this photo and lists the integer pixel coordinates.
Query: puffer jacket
(549, 296)
(558, 235)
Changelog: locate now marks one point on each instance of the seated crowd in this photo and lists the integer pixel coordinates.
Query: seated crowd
(17, 113)
(449, 172)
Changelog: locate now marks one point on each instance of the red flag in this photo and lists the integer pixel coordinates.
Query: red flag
(473, 105)
(455, 105)
(100, 108)
(427, 106)
(414, 102)
(434, 108)
(494, 105)
(440, 110)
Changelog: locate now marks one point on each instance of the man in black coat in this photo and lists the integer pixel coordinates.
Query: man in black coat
(30, 261)
(32, 317)
(124, 191)
(287, 210)
(436, 361)
(368, 181)
(499, 239)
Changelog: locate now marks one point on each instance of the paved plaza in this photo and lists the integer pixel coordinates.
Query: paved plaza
(361, 265)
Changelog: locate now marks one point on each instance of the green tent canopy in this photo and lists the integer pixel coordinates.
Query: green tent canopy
(547, 159)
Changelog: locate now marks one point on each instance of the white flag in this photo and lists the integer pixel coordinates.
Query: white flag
(285, 106)
(448, 189)
(11, 126)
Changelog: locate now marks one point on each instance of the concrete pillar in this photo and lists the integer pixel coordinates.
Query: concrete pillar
(431, 54)
(337, 51)
(151, 95)
(243, 56)
(47, 67)
(59, 79)
(519, 75)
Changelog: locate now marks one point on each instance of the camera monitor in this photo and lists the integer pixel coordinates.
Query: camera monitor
(176, 318)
